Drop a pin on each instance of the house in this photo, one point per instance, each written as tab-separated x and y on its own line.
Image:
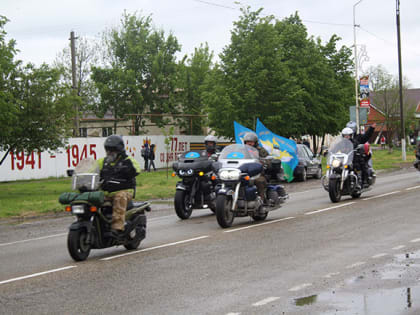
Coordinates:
377	114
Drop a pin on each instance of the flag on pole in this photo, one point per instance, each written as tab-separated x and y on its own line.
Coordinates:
240	132
279	147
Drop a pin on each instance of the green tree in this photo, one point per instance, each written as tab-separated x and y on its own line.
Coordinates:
87	55
193	72
140	73
35	109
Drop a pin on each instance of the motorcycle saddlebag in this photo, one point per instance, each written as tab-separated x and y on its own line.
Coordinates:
251	168
67	197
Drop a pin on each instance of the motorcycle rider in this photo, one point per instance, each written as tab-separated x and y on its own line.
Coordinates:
118	172
357	139
210	142
251	139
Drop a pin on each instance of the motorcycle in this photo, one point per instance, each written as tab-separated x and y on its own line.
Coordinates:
196	190
343	176
238	167
92	228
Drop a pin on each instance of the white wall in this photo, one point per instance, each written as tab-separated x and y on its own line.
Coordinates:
18	166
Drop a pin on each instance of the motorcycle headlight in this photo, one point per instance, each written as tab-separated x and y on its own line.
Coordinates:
230	174
336	163
190	172
78	209
181	172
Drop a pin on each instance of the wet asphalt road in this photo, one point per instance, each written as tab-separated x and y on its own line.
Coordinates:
359	256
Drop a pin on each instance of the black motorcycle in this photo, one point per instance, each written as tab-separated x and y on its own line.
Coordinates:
92	229
196	190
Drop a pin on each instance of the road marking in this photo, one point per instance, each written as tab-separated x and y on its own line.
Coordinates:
266	301
300	287
415	240
379	255
357	264
383	195
330	208
398	247
36	274
33	239
257	225
411	188
233	313
332	274
156	247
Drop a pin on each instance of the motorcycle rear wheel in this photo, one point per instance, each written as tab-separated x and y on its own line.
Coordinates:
76	244
334	190
183	208
224	214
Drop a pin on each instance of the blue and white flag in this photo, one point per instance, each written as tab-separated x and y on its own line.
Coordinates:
279	147
240	132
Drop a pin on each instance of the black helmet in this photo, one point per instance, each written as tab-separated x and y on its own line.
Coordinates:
114	143
251	136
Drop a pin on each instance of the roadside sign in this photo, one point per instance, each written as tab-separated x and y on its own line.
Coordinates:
363	114
365	103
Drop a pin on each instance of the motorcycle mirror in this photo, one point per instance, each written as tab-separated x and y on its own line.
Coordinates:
70	173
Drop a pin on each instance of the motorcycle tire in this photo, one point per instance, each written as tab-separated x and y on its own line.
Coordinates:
224	214
135	242
183	208
76	245
334	190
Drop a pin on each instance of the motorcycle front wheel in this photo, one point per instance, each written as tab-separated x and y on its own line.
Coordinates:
76	244
224	212
183	207
334	190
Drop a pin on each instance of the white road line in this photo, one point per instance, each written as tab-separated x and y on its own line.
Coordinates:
415	240
332	274
379	255
233	313
156	247
300	287
36	274
257	225
383	195
330	208
357	264
411	188
33	239
398	247
266	301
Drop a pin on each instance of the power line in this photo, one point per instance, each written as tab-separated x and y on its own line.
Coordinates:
216	4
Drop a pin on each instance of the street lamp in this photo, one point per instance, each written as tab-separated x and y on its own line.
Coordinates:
356	65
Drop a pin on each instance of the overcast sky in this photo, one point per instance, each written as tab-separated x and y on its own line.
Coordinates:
41	28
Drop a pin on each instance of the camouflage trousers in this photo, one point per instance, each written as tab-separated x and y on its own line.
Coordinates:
261	183
119	199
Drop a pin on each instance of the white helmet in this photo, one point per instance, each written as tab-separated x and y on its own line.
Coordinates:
347	132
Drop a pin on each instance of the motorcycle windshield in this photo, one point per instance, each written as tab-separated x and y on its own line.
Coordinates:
341	146
86	175
239	152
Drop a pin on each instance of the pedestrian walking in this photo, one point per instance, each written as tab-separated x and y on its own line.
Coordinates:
383	142
145	154
152	157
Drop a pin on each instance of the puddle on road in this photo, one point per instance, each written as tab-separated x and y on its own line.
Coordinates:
383	302
374	301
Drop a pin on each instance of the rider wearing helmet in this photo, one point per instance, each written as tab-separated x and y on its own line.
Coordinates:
210	141
361	139
251	139
118	172
347	133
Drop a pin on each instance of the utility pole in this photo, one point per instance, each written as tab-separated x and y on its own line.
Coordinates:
404	157
74	82
356	66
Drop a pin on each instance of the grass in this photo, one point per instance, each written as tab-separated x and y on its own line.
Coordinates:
37	197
